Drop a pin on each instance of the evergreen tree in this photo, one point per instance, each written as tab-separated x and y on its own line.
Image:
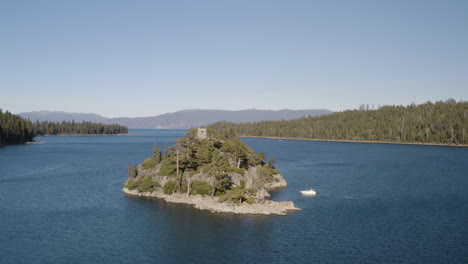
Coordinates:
84	128
15	129
218	169
443	122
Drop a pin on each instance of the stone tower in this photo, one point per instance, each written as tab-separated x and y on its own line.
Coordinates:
201	133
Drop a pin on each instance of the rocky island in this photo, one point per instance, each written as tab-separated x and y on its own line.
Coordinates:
212	170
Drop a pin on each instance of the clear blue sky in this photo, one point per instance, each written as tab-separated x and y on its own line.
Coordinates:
142	58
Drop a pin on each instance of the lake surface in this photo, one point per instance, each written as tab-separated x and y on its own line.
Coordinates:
61	202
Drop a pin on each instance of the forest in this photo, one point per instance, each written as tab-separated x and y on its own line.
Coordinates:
17	130
14	129
442	122
72	128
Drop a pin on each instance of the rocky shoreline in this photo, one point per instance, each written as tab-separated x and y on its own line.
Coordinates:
267	207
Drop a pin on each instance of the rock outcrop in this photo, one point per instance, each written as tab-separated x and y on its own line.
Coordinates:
211	203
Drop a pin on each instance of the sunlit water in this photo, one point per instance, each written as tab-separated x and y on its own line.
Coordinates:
61	202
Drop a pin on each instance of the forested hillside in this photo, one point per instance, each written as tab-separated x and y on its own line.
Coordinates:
14	129
84	128
443	122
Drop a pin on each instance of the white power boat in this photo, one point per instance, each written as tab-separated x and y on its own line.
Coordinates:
309	192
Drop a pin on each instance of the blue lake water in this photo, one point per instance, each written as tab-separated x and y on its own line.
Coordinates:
61	202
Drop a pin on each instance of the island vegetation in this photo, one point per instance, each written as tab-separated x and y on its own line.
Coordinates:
16	130
443	122
215	169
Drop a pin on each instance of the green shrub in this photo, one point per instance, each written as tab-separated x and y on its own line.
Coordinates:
143	184
170	187
265	174
132	185
201	187
255	160
250	192
241	171
242	184
184	187
148	185
235	195
167	168
132	172
220	191
250	200
239	195
149	163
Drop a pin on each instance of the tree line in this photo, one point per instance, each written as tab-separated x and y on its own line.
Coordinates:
16	130
442	122
72	128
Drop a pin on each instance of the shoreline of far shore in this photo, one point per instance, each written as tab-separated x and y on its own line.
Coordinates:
360	141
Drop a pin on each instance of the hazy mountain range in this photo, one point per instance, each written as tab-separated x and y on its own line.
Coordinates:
180	119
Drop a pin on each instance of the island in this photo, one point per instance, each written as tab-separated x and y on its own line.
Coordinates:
211	170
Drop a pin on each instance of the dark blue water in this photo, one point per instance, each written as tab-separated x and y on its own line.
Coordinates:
61	202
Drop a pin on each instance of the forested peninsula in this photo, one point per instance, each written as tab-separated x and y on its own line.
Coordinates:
17	130
443	122
72	128
212	170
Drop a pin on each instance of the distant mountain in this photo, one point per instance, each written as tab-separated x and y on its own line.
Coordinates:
59	116
180	119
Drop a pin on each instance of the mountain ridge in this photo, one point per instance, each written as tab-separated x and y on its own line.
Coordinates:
180	119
